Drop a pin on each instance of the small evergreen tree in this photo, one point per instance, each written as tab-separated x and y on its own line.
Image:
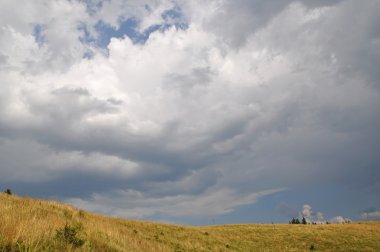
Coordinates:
304	220
295	221
8	191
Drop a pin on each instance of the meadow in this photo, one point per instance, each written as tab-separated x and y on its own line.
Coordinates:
28	224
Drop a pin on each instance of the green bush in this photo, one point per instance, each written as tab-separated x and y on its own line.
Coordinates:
16	247
68	235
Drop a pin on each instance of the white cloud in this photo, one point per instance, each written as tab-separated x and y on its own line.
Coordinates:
319	218
340	220
312	217
58	46
306	211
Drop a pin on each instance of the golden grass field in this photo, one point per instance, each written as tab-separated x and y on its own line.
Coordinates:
31	225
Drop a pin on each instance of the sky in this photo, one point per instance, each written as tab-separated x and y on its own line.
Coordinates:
193	112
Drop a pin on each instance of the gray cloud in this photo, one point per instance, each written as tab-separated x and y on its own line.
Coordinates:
253	97
375	215
236	21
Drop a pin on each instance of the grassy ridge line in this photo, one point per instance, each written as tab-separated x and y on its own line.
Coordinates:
31	225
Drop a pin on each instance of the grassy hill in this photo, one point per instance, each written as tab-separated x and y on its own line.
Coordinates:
36	225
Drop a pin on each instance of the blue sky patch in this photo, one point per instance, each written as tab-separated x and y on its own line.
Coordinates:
129	28
126	28
38	33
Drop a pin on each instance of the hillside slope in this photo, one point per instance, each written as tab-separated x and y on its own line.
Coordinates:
36	225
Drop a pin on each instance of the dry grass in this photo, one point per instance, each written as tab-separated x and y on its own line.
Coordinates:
31	225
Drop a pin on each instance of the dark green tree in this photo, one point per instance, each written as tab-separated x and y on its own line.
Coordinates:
304	220
294	221
8	191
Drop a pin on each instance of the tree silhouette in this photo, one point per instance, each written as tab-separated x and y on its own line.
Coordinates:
294	221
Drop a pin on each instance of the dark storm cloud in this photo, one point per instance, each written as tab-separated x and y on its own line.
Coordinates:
72	184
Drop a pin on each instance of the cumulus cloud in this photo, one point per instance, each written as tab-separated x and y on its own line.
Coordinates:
246	98
340	220
312	217
318	217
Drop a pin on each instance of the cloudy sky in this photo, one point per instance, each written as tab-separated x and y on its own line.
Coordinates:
193	112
